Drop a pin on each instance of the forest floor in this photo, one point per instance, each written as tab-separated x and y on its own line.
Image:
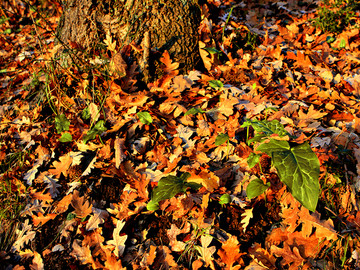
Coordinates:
83	147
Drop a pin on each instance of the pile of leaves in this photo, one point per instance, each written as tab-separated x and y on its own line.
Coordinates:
192	171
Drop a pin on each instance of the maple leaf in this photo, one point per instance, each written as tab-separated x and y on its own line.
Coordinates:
230	253
81	205
118	240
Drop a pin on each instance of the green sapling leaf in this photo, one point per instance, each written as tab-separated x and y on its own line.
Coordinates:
98	129
168	187
216	84
145	118
86	114
255	188
152	206
66	137
299	169
221	138
253	159
212	50
194	111
61	123
224	199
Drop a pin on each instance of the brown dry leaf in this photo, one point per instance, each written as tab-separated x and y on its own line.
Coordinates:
61	166
118	240
290	257
119	146
164	259
81	205
230	253
262	255
82	253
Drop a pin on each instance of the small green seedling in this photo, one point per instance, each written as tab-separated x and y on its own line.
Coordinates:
216	84
194	111
98	129
61	123
168	187
225	199
255	188
297	166
223	138
145	118
65	137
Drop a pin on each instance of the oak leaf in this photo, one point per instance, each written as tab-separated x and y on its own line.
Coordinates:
118	240
81	205
230	253
61	166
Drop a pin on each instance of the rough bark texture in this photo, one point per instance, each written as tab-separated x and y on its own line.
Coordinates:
157	25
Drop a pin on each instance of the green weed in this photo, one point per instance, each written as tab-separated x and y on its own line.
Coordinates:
335	16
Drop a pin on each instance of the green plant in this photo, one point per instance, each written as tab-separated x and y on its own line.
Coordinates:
11	205
98	129
335	16
297	165
145	117
168	187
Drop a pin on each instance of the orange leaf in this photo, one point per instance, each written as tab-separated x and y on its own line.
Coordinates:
41	219
170	68
82	207
230	252
61	166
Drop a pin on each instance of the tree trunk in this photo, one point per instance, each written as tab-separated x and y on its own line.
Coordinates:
156	25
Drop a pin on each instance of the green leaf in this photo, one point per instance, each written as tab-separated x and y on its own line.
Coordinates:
255	188
168	187
66	137
86	114
299	169
194	111
216	84
212	50
330	39
342	44
224	199
152	206
96	130
145	117
70	216
253	159
61	123
221	138
264	129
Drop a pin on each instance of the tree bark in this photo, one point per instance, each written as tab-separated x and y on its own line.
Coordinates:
156	25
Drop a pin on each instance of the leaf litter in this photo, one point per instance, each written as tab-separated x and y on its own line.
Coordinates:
93	162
